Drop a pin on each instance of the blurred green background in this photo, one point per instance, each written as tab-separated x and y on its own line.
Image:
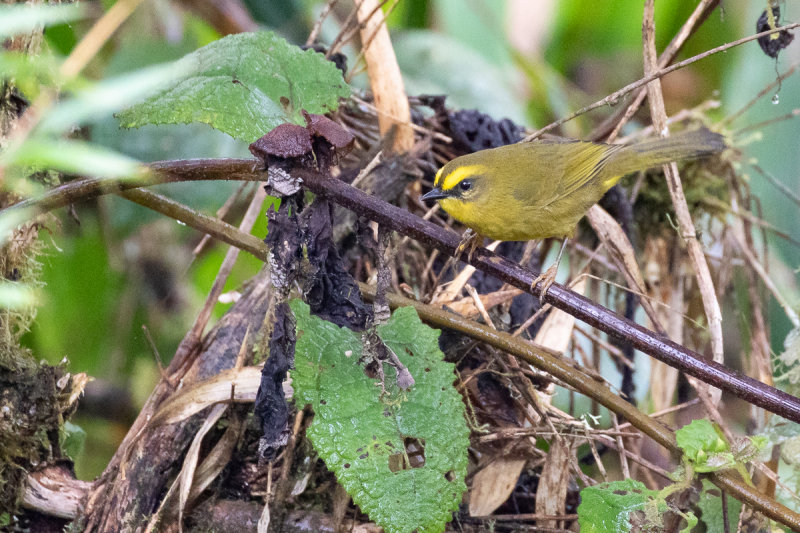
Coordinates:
107	269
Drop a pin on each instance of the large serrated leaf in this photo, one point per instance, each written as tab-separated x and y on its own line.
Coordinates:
244	85
363	437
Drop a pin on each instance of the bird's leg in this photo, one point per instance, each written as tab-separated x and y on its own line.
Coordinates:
470	242
548	277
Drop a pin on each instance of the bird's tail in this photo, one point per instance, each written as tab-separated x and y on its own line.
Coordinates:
653	152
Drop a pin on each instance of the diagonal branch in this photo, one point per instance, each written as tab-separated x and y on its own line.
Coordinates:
402	221
447	241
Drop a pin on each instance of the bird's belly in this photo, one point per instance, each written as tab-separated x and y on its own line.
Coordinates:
527	223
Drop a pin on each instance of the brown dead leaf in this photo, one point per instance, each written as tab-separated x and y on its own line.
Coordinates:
551	494
492	485
243	382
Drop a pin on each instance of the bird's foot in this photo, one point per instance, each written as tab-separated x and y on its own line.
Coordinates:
547	278
470	242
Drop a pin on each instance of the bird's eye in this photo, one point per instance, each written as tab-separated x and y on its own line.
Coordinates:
465	185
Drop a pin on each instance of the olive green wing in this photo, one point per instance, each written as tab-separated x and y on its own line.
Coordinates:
580	164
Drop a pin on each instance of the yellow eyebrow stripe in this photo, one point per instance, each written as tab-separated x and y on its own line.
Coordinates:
454	178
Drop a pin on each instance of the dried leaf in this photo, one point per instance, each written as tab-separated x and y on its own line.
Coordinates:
551	494
773	43
244	384
271	407
492	485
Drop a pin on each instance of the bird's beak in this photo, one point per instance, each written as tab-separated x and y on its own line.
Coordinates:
434	194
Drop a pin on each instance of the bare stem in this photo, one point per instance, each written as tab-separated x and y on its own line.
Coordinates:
616	95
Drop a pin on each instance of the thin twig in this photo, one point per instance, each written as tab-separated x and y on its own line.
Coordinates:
210	225
616	95
791	314
778	184
703	274
701	11
312	37
221	213
763	92
794	113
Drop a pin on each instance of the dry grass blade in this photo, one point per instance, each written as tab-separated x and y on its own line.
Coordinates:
217	459
613	236
217	389
184	480
186	476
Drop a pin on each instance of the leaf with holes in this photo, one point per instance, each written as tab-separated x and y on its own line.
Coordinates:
401	456
244	85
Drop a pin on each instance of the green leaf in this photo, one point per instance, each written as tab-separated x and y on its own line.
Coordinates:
710	505
607	507
72	438
705	446
75	157
364	436
93	102
24	19
244	85
30	72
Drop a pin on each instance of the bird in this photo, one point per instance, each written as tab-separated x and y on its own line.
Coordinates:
542	189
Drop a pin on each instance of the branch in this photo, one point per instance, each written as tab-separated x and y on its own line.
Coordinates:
400	220
580	307
616	95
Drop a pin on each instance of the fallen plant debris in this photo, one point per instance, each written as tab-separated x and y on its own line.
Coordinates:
302	250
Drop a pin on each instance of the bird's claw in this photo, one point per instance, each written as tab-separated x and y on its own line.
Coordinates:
470	242
547	278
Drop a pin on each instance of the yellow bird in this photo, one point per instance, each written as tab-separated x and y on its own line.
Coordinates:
542	189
